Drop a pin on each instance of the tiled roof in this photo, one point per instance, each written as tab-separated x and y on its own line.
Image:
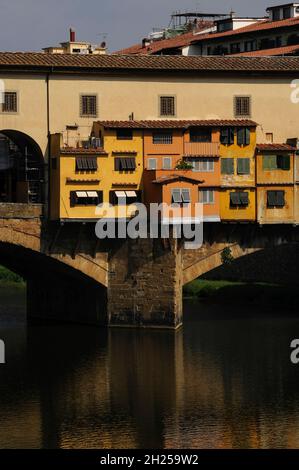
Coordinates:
179	124
30	61
270	52
164	44
176	177
253	28
82	151
275	147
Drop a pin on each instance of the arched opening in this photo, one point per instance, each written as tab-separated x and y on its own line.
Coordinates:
21	169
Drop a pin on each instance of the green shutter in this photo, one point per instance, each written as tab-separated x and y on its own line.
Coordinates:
240	136
247	136
269	162
286	162
243	166
227	166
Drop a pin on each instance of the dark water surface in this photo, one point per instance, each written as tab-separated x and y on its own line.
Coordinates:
224	381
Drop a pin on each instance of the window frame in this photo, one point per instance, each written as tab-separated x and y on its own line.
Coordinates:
200	162
242	114
274	206
209	192
148	164
168	134
129	131
3	104
181	200
170	163
118	161
232	160
230	135
89	95
73	195
174	105
243	160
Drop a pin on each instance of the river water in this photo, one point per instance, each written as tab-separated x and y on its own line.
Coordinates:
223	381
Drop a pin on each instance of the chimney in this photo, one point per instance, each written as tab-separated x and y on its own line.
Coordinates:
72	35
146	42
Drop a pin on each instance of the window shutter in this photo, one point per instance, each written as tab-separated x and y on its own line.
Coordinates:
240	136
186	195
280	198
243	166
286	162
176	196
247	136
244	198
271	198
72	198
117	164
224	136
235	198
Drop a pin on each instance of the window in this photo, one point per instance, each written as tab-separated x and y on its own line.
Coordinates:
124	134
207	196
243	166
10	102
242	106
88	106
275	198
239	198
124	198
181	196
86	164
201	135
227	166
167	106
243	136
269	137
276	162
202	164
276	14
125	164
167	163
250	46
278	41
227	136
287	12
162	138
86	198
235	48
151	163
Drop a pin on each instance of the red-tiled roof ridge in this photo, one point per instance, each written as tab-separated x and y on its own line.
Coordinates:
177	124
275	147
176	177
82	151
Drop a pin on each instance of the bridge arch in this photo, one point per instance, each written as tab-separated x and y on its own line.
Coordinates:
22	168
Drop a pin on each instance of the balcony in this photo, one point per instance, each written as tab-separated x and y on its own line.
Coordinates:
201	149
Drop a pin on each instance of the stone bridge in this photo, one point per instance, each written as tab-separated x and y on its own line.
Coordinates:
72	276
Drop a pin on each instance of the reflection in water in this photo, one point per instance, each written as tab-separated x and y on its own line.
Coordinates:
224	381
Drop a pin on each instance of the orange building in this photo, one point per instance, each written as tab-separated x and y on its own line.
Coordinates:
275	181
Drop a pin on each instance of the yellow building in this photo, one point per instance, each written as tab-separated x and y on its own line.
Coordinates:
275	184
237	152
109	170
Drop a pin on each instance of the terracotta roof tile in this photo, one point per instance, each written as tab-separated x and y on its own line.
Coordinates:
179	124
275	147
144	63
176	177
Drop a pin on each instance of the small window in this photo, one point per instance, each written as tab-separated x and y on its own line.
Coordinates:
162	138
125	164
10	102
86	164
242	105
235	48
287	12
275	198
181	196
86	198
227	136
124	134
276	14
207	196
151	163
89	106
201	135
243	166
167	163
167	106
269	137
227	166
243	136
124	198
202	164
239	198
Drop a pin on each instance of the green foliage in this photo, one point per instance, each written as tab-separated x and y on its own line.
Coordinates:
184	165
226	256
8	276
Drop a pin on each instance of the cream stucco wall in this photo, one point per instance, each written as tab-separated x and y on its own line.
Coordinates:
118	97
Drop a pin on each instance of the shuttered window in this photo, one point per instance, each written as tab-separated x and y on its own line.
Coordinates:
207	196
86	164
243	166
89	106
239	198
202	164
227	136
10	102
86	198
276	198
125	164
242	106
243	136
162	138
151	163
124	198
227	166
124	134
167	106
167	163
276	162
